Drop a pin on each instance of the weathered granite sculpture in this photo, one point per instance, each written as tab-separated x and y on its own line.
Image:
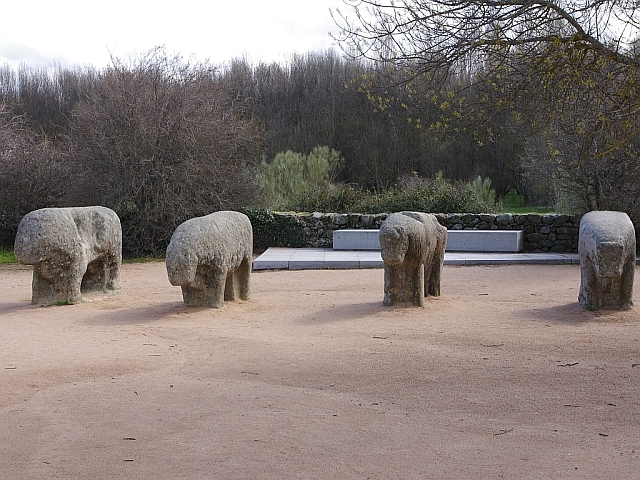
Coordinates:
72	250
412	245
210	258
607	249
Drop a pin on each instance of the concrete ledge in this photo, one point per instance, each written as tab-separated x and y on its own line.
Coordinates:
326	258
485	241
457	240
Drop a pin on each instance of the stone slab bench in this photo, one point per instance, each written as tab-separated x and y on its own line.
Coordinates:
356	239
457	240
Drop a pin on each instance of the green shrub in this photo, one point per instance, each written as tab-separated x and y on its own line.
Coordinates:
331	198
482	188
411	193
273	230
291	178
434	196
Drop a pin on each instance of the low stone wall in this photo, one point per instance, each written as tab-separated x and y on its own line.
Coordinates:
542	233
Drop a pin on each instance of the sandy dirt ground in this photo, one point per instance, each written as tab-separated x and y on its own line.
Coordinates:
504	376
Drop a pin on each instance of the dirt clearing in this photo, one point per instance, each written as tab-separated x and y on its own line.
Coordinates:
504	376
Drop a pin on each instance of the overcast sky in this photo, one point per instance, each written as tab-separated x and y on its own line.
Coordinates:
80	32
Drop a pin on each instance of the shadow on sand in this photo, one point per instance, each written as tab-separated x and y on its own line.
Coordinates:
573	314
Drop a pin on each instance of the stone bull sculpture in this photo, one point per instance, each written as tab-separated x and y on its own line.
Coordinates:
412	245
72	250
210	257
607	250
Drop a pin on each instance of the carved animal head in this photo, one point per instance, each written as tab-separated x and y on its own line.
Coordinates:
44	236
25	252
181	266
394	243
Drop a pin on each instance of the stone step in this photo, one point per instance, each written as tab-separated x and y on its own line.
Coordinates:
457	240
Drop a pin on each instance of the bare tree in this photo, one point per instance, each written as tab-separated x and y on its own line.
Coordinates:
44	97
33	173
544	67
590	153
531	52
161	140
437	34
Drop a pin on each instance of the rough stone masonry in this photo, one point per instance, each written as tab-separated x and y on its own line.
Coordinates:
542	233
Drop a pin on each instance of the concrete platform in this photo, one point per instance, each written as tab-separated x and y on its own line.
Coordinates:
327	258
457	240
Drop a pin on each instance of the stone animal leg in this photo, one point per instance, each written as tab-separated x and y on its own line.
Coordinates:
403	284
43	291
216	288
427	278
626	289
112	275
76	273
417	286
56	283
390	285
589	297
244	278
230	286
193	296
432	284
238	282
53	283
432	275
206	289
